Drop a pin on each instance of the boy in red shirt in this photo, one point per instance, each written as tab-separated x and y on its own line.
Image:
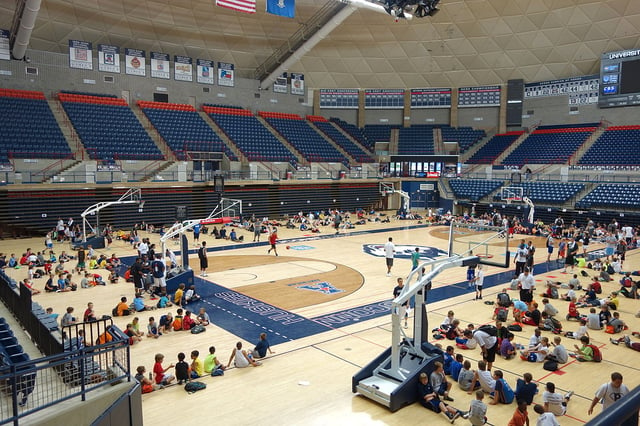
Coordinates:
520	417
159	372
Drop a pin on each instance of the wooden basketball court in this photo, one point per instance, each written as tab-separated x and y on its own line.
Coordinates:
308	379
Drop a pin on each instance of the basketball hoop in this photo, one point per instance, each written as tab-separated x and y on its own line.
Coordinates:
509	200
485	256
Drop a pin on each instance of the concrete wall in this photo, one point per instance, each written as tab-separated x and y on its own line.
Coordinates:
431	116
348	115
378	116
480	118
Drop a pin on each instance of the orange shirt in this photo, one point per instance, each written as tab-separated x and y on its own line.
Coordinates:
519	418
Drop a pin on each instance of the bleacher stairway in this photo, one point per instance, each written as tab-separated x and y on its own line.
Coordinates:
282	140
154	134
232	146
331	142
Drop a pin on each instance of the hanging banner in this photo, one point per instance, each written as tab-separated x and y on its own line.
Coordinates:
80	55
108	58
225	74
160	65
135	62
297	84
204	71
5	50
182	68
280	85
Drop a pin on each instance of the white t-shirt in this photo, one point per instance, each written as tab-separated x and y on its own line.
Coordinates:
610	394
485	339
547	419
487	383
534	341
480	278
555	401
627	231
526	281
543	351
389	249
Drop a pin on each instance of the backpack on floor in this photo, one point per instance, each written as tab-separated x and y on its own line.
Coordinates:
192	387
550	365
514	327
198	329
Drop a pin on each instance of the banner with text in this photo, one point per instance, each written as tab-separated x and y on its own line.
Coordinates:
80	55
580	90
160	65
135	62
204	71
182	68
297	84
108	58
225	74
5	50
280	85
286	8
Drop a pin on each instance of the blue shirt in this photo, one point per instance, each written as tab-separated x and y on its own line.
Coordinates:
262	347
138	304
456	367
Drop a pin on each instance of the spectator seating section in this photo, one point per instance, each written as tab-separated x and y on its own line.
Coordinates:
465	136
183	129
355	132
304	138
341	140
493	148
101	95
625	139
28	128
612	195
473	189
10	350
251	137
378	133
549	146
549	192
108	128
416	140
222	106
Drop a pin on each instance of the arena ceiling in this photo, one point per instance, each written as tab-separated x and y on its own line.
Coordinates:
470	42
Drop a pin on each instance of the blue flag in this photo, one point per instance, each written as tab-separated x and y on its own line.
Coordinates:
286	8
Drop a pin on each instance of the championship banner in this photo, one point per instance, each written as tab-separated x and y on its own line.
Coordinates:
297	84
182	68
225	74
80	55
160	65
5	50
204	71
280	85
108	58
135	62
286	8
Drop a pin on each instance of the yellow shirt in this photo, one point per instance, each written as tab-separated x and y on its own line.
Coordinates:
197	366
178	296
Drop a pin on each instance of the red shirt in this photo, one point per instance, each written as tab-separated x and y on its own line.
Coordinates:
273	238
519	418
158	372
572	309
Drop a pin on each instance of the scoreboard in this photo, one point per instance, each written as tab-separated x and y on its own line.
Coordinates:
482	96
339	98
619	79
431	98
384	98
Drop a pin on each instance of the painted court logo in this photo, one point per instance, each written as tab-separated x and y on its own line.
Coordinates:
318	286
404	252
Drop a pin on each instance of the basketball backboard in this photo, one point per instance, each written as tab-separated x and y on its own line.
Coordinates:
489	243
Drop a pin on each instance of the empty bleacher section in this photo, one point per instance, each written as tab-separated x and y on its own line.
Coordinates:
354	131
473	189
465	136
416	140
303	137
108	128
617	146
550	192
493	148
550	145
341	140
378	133
610	195
28	128
252	139
183	129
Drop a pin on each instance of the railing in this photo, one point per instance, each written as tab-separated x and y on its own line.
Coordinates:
59	165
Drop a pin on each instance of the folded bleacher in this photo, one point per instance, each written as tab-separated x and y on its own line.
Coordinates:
625	139
493	148
550	192
466	137
610	195
549	145
296	131
473	189
341	140
355	132
183	129
108	128
28	128
249	135
416	140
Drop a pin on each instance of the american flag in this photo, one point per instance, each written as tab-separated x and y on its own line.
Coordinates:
248	6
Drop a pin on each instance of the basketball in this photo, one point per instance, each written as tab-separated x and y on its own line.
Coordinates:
288	247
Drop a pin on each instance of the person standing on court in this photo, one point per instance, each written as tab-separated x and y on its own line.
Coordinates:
273	239
196	234
488	346
609	393
520	258
389	251
204	261
415	258
527	285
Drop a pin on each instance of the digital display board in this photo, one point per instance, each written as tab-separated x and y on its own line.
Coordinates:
431	98
580	90
620	79
339	98
384	98
483	96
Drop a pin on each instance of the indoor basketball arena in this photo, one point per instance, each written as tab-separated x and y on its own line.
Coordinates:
344	212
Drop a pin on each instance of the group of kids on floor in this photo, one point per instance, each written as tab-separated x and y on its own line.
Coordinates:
198	368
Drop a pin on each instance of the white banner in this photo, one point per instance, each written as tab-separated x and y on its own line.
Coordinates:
135	62
204	71
160	65
80	55
108	58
